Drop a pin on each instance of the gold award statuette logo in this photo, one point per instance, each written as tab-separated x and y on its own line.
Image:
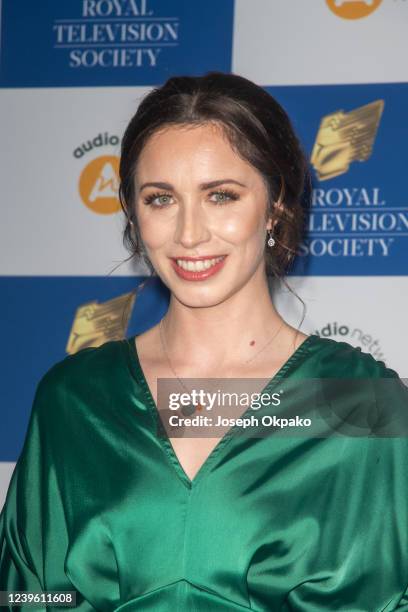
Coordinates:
99	184
353	9
345	137
96	323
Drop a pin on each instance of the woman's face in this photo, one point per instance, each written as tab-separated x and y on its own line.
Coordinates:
182	216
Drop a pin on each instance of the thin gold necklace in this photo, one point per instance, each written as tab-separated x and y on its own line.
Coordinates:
188	410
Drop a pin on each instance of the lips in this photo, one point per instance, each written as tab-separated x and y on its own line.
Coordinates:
198	268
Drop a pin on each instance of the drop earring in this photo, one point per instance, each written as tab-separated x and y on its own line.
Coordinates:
271	241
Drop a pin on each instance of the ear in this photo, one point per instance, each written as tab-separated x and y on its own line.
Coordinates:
271	223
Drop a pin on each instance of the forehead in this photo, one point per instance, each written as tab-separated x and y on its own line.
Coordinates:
191	148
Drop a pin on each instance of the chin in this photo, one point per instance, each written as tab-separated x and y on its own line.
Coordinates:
199	299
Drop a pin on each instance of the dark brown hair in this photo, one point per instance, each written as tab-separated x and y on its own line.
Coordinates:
258	129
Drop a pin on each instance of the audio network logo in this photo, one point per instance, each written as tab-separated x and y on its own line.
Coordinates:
354	336
99	179
353	9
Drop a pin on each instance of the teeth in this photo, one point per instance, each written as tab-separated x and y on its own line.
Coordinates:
198	266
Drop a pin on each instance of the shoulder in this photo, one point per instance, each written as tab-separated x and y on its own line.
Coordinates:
80	372
73	395
361	392
340	359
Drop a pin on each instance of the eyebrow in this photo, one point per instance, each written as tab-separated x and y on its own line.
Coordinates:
202	186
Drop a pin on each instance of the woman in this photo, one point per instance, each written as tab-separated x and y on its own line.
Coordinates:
101	502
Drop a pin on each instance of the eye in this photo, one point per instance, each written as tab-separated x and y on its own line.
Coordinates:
226	196
153	196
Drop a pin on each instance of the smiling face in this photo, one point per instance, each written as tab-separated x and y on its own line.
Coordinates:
196	198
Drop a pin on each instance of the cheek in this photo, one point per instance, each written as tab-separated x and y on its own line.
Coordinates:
155	230
241	228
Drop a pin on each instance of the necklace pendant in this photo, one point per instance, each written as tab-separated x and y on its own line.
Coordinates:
188	410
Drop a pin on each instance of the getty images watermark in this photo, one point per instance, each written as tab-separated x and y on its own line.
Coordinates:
313	407
200	401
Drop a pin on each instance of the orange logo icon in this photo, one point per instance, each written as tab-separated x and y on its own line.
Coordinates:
99	184
353	9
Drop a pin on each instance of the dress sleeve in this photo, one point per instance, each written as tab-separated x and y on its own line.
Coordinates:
391	394
370	410
22	517
391	398
45	507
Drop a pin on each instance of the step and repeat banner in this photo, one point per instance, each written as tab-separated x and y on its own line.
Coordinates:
72	73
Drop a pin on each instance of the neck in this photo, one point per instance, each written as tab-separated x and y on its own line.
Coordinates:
237	328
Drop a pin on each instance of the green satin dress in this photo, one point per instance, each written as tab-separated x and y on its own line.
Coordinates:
99	503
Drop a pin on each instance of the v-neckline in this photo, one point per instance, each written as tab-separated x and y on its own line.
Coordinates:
154	411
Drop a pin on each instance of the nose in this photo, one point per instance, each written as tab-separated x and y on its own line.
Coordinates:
191	227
